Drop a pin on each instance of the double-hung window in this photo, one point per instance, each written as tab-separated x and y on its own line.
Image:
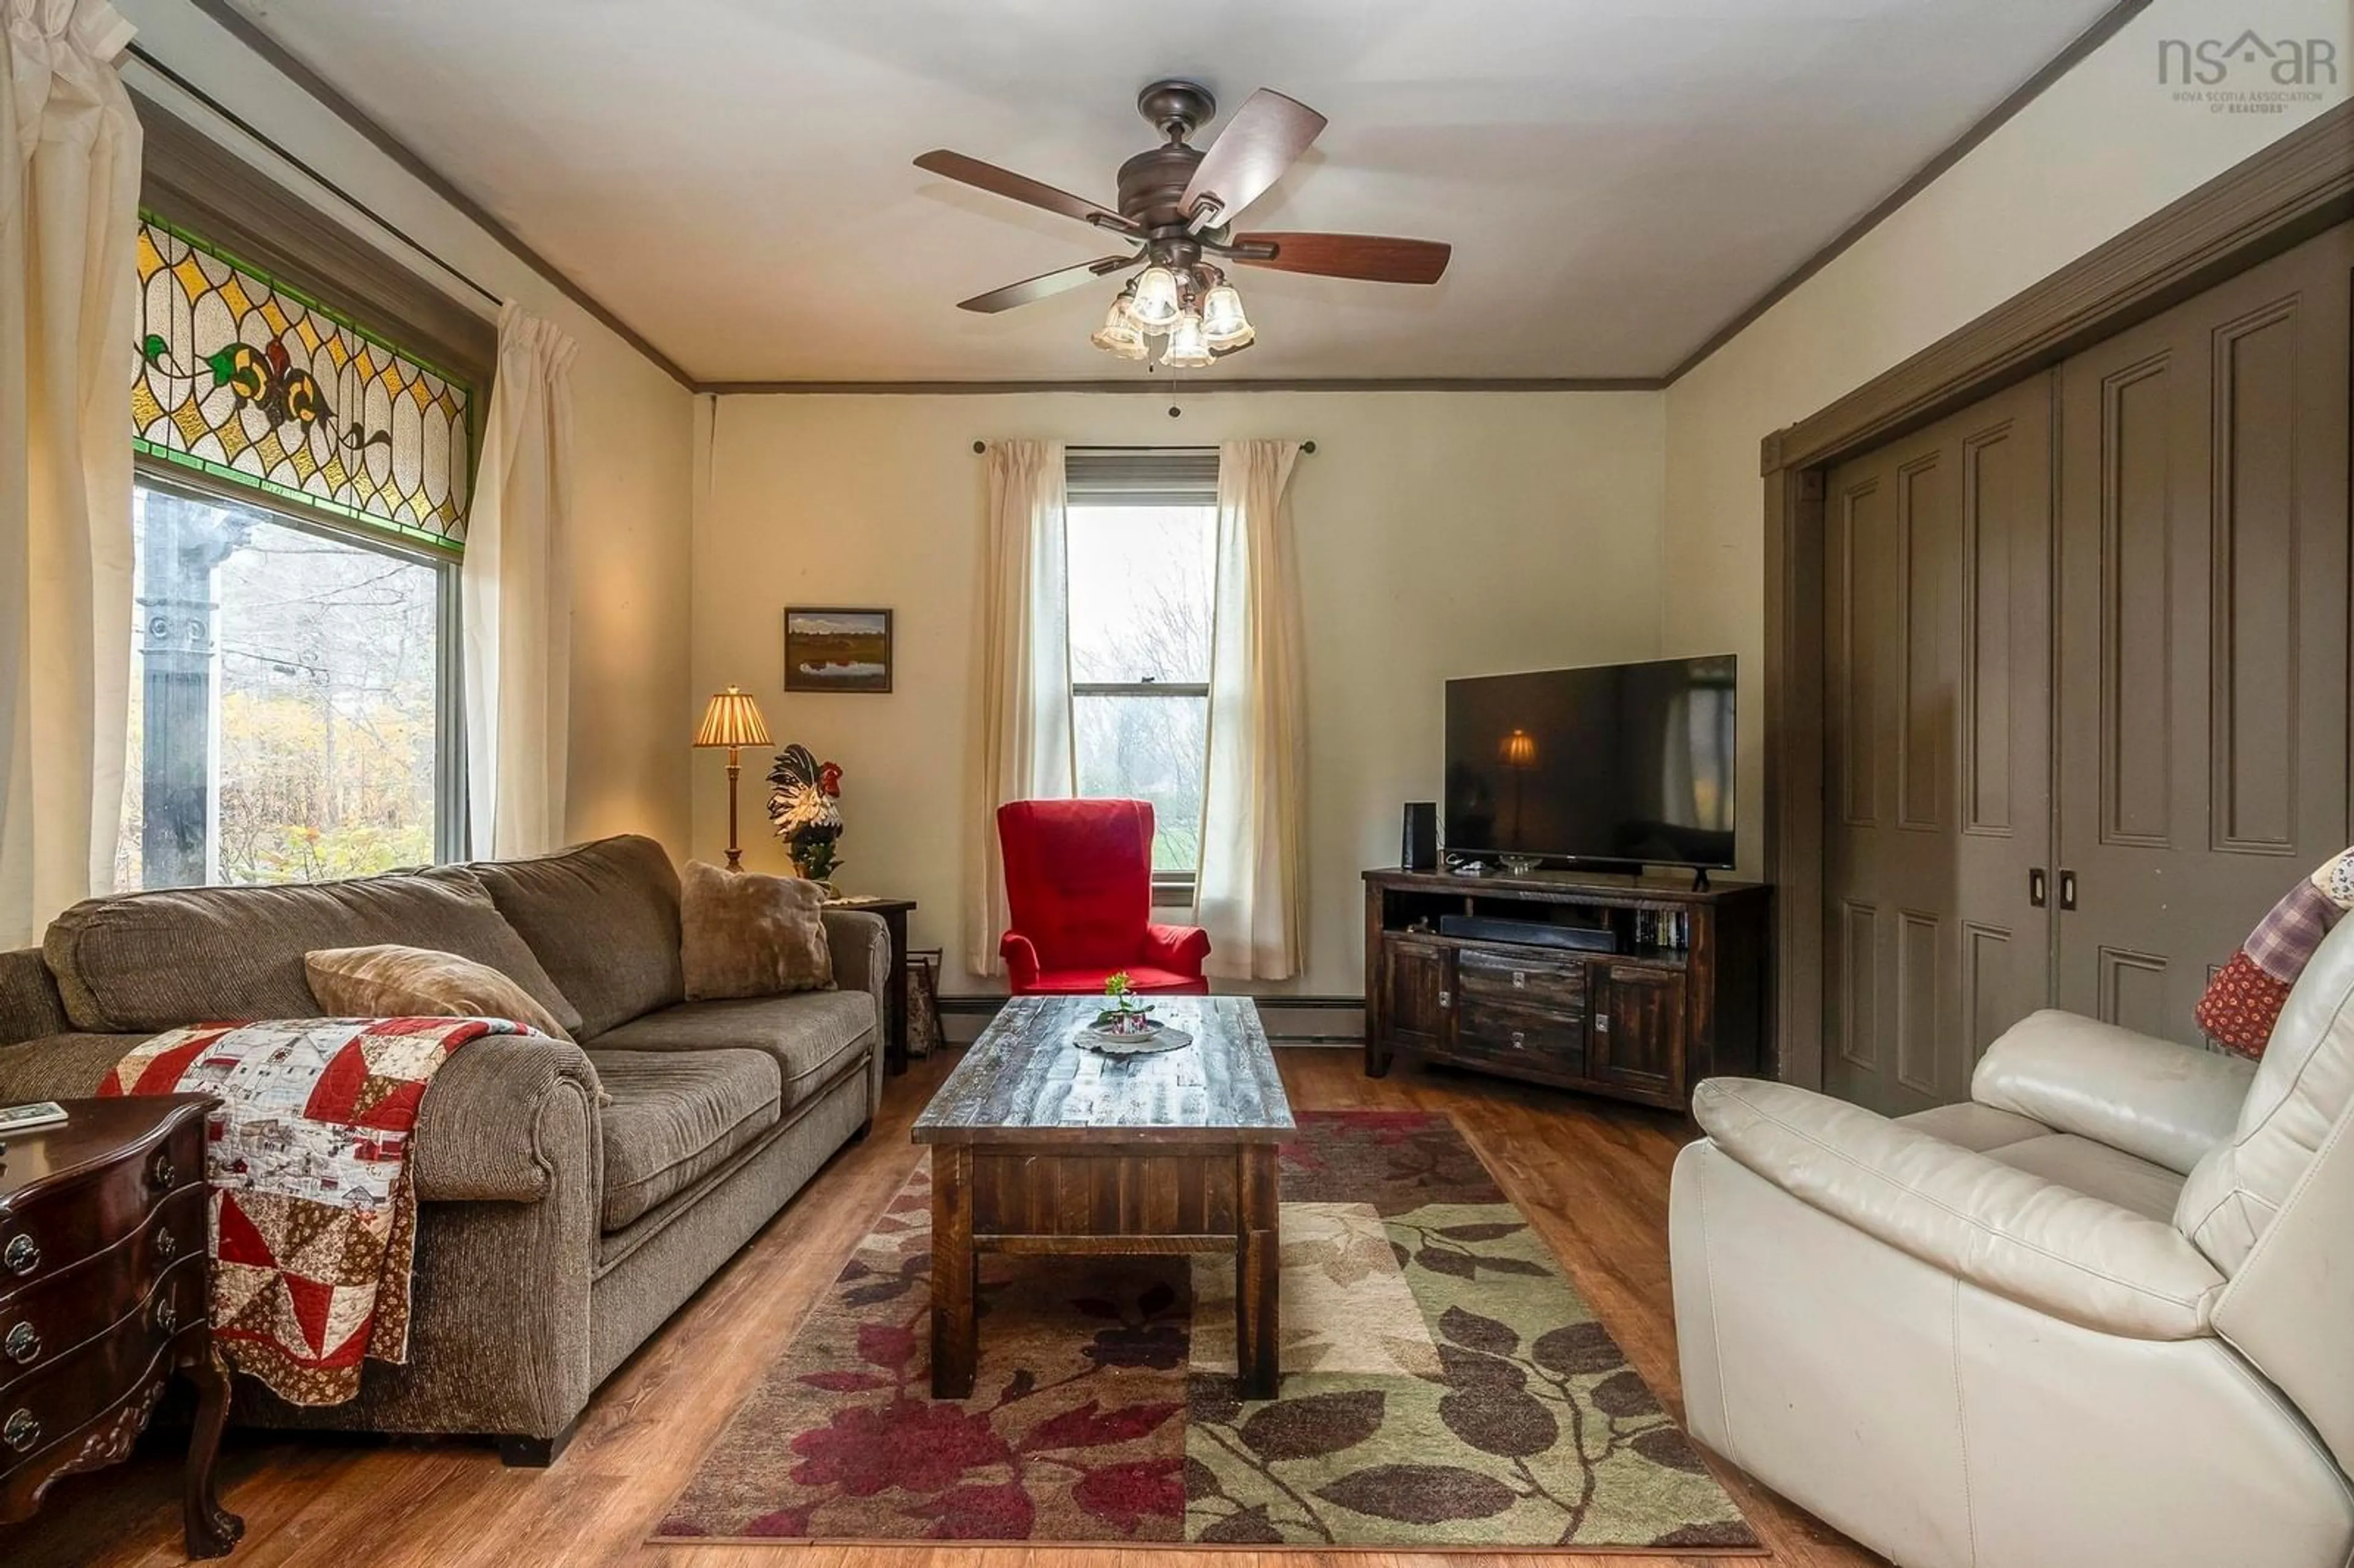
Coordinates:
298	515
1141	539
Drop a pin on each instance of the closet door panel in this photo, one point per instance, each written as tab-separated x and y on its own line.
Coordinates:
2203	631
1937	765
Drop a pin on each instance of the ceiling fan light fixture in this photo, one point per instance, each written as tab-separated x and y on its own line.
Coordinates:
1224	324
1187	348
1156	306
1119	336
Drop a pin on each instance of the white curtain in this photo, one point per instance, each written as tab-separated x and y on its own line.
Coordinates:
1021	741
68	277
516	596
1254	880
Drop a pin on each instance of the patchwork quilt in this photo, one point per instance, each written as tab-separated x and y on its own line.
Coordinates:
313	1212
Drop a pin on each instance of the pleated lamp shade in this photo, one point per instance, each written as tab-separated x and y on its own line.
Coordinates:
732	719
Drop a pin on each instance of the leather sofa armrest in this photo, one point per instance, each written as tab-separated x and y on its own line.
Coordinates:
2165	1103
1021	959
2016	1235
1179	947
505	1119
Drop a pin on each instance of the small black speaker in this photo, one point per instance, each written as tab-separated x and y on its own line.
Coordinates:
1419	852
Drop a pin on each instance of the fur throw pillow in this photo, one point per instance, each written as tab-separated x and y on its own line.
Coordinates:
743	934
392	981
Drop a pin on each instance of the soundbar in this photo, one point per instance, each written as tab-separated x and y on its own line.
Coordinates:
1534	933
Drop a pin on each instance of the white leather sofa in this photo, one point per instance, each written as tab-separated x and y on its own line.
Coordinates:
2102	1314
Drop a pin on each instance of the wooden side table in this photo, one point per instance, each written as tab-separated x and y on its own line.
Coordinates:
895	913
105	1291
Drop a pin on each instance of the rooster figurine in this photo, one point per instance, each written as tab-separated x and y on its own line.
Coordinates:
802	809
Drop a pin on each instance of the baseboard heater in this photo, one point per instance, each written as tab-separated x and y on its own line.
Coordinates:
1531	933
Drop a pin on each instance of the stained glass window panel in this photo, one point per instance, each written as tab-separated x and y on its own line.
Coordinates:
245	378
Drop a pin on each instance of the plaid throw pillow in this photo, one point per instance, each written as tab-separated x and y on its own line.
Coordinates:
2244	1001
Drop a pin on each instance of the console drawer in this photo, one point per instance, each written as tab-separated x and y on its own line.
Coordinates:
1553	1041
1524	978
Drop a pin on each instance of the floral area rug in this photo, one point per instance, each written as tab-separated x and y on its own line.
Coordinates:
1444	1387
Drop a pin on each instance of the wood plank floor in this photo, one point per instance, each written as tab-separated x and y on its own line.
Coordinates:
1592	1175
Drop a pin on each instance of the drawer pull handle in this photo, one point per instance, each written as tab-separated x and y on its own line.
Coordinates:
1520	1041
1446	1000
162	1173
1520	979
22	1431
167	1317
1602	1024
23	1344
166	1244
22	1255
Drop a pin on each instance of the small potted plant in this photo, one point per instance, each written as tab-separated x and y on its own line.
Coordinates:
1126	1015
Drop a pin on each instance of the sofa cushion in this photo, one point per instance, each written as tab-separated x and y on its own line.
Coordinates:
2097	1170
2303	1085
152	961
29	1004
603	918
811	1035
674	1116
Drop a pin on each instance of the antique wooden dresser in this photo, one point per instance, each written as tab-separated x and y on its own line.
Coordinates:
103	1296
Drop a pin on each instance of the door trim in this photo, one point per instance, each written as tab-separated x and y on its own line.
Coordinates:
2301	186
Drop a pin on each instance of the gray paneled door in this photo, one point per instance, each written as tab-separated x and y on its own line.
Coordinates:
1937	658
2203	631
2087	697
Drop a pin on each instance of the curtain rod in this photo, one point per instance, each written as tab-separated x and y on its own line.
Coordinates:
242	123
1308	447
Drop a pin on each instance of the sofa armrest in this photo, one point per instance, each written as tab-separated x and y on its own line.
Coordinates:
2016	1235
1021	959
1179	947
861	945
505	1119
2165	1103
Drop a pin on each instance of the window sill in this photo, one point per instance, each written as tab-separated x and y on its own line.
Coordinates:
1172	893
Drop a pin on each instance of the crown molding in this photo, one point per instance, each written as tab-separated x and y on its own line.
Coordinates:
1181	388
2079	48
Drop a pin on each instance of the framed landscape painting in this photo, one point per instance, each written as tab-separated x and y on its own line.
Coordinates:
837	650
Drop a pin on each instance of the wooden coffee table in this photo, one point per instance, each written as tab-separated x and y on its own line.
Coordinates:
1040	1148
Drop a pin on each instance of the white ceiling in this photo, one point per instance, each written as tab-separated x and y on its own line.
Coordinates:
731	176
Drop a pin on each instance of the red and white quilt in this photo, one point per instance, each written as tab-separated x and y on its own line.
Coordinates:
313	1209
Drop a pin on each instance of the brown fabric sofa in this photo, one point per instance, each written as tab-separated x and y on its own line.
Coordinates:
556	1233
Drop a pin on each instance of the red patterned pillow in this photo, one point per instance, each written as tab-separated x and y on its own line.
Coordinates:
2244	1001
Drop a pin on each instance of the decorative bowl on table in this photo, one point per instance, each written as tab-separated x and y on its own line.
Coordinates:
1129	1031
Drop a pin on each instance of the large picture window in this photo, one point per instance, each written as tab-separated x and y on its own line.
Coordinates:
298	519
1142	533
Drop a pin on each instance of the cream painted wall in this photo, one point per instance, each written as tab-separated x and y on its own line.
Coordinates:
633	426
1438	533
2102	148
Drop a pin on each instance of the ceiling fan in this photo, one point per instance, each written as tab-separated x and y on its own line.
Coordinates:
1177	207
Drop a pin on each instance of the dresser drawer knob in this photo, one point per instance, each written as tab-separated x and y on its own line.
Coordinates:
160	1173
1446	1000
21	1431
22	1255
1520	979
167	1317
23	1344
166	1244
1520	1040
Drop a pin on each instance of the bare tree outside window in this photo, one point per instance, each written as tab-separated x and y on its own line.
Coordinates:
1140	580
286	700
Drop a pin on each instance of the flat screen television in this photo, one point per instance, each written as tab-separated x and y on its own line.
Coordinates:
1623	765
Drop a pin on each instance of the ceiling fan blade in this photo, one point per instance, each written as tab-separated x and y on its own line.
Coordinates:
1021	187
1045	283
1266	136
1375	258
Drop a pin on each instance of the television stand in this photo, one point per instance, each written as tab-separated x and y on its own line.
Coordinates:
1678	996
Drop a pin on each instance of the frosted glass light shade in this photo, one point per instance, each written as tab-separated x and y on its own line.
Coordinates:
1187	349
1224	325
1156	306
1118	335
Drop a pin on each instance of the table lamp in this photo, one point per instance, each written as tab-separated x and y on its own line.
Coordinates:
733	720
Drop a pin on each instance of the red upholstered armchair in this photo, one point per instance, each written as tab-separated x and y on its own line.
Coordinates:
1078	885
